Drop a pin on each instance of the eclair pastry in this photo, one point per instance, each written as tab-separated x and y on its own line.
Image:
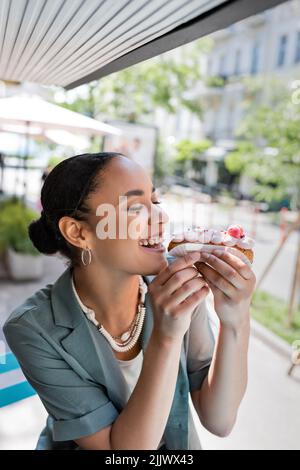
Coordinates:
208	239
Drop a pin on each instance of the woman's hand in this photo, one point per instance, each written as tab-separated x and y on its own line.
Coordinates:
175	293
232	282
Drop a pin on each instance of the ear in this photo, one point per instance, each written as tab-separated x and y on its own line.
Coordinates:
73	231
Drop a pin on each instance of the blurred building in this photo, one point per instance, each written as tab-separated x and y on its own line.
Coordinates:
265	44
10	88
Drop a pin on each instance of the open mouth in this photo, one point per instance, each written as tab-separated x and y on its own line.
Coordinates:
152	244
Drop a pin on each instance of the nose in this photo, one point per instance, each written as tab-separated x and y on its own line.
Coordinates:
158	216
164	216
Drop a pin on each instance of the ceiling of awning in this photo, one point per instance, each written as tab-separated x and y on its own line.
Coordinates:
71	42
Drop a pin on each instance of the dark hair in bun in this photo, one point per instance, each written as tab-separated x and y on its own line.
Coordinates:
41	235
65	192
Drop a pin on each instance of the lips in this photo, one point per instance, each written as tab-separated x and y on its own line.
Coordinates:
159	248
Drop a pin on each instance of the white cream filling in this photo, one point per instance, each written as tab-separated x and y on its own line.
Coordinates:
214	236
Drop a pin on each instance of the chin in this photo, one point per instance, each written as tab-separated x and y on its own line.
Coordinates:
154	267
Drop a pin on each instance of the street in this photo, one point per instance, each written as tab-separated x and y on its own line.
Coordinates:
269	416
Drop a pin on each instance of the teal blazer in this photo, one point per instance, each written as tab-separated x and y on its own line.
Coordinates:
75	373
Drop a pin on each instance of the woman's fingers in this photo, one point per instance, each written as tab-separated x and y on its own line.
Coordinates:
229	273
237	260
215	290
179	278
212	276
192	301
177	265
183	293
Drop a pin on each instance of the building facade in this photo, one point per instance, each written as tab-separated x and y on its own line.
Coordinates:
264	45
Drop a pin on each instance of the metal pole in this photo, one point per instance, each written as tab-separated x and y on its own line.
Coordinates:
295	288
25	162
293	227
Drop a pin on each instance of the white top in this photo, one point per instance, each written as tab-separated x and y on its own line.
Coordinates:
131	371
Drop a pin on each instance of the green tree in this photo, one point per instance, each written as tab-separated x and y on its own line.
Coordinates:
167	81
187	153
269	152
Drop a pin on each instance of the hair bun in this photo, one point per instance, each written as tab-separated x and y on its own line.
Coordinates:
42	236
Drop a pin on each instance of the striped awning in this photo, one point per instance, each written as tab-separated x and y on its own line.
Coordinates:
71	42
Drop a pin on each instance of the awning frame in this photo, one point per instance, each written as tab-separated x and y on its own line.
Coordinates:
218	18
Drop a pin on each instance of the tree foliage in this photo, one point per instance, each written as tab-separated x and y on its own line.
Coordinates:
165	81
187	152
269	147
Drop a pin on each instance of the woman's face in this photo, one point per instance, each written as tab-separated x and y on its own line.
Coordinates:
125	213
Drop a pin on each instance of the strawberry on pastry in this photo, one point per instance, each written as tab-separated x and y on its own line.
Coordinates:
236	231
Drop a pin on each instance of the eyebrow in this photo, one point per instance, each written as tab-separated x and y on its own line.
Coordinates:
136	192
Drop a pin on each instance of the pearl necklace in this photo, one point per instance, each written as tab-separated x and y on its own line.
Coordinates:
128	338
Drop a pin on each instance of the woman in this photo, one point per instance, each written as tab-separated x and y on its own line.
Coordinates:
112	353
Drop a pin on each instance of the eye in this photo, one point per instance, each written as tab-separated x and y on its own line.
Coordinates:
156	202
135	209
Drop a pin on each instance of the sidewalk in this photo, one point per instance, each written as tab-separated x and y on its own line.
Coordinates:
269	416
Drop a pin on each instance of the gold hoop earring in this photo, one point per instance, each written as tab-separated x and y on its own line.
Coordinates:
85	251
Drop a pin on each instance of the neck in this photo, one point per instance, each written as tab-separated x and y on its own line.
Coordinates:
112	295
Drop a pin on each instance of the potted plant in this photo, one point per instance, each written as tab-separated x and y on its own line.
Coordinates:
23	261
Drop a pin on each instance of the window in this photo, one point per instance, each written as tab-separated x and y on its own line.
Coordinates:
222	65
282	50
209	67
297	53
237	65
255	59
